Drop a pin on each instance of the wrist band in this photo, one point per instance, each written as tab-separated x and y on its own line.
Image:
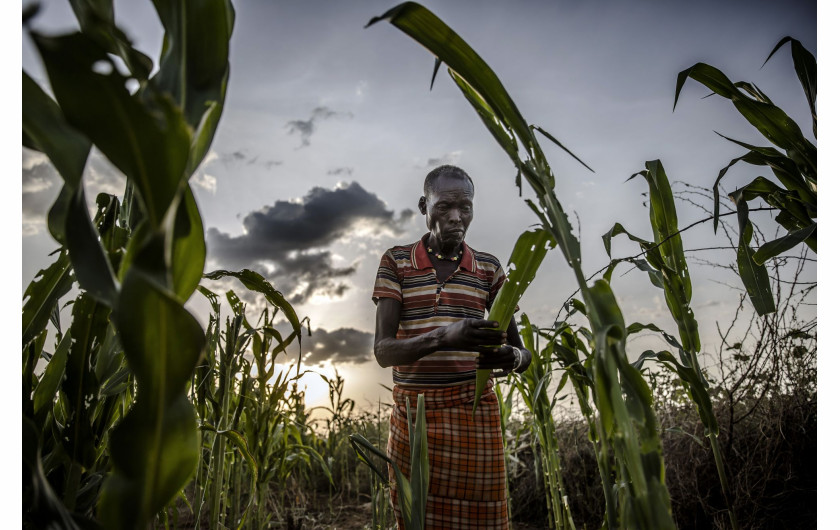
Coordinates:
517	359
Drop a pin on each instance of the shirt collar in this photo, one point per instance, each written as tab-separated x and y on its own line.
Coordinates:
420	257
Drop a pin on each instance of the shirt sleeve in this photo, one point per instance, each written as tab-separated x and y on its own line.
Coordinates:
387	284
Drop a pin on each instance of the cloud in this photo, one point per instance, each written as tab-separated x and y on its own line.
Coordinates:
288	241
447	158
40	186
343	345
361	88
240	157
340	171
307	127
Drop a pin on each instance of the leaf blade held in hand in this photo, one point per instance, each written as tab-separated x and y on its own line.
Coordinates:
527	255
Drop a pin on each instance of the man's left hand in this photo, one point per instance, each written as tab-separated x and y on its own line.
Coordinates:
502	360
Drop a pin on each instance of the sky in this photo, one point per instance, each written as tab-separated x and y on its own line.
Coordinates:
329	129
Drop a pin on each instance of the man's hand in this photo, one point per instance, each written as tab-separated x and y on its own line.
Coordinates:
501	358
473	334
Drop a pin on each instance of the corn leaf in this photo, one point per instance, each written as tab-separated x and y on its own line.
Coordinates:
154	448
806	70
771	121
42	295
255	282
147	139
194	65
423	26
96	19
188	250
755	278
51	379
787	242
47	509
527	255
91	266
90	323
45	129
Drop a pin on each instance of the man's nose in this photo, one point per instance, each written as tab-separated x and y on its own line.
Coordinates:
454	216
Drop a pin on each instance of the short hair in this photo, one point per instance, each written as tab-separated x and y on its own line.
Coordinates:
440	171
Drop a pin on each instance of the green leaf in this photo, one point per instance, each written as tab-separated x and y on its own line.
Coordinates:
44	124
150	465
90	323
806	70
46	130
42	295
709	76
41	503
527	255
53	374
188	250
500	131
154	449
144	137
96	19
754	277
423	26
676	279
194	65
255	282
556	142
787	242
771	121
419	462
92	267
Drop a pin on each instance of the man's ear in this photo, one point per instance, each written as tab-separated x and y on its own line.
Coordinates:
421	204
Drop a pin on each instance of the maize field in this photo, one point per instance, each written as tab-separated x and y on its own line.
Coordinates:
135	415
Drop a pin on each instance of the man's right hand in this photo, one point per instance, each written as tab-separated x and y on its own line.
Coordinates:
473	334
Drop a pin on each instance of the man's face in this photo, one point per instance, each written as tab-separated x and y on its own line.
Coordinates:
448	210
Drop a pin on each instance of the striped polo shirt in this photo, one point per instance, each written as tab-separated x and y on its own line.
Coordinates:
406	274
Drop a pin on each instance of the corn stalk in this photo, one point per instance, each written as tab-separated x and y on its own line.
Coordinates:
156	137
667	269
533	386
623	399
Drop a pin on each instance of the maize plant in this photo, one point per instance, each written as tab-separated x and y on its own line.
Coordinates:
128	433
533	386
793	161
667	269
626	419
412	491
246	399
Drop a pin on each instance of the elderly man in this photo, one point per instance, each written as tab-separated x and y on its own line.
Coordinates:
431	299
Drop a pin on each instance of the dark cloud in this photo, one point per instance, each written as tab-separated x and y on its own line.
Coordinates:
288	240
243	157
343	345
340	171
307	127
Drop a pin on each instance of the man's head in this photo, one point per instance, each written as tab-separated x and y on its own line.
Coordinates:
448	207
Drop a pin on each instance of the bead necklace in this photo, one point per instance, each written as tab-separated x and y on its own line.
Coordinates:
440	256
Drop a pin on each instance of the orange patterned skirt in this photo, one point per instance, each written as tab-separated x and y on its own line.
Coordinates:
466	457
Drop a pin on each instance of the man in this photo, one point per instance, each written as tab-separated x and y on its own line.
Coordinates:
431	300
